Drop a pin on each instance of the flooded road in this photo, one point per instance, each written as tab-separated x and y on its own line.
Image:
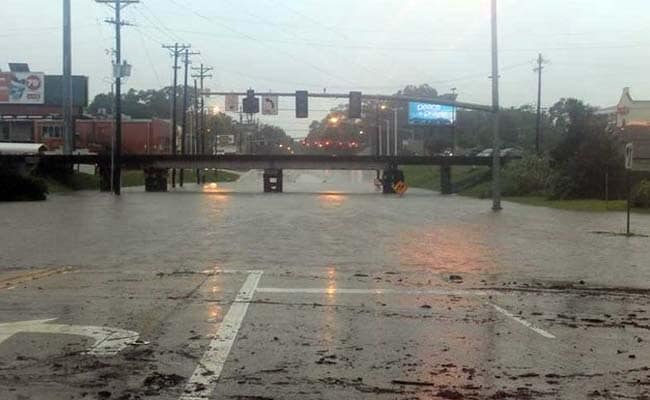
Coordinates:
330	290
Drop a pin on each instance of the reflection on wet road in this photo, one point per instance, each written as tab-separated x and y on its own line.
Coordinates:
360	295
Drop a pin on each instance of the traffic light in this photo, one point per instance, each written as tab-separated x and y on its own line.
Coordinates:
251	103
302	104
355	105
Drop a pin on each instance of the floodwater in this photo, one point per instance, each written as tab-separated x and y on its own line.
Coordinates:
348	294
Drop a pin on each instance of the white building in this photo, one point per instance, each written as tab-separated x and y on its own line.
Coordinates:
629	112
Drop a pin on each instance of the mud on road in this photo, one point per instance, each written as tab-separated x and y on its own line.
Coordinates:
339	294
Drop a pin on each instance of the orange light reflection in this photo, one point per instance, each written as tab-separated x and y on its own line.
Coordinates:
449	249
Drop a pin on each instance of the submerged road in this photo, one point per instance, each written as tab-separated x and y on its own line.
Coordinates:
328	291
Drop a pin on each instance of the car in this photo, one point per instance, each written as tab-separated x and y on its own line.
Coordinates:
485	153
511	152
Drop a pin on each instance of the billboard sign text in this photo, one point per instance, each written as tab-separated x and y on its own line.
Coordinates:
22	88
431	114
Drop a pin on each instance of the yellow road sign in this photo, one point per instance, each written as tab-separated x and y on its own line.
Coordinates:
400	187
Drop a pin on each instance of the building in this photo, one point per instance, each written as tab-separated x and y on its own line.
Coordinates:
631	121
26	97
628	112
31	111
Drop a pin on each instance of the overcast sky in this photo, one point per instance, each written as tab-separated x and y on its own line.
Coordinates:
595	47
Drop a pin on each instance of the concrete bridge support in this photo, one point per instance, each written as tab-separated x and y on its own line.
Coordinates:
446	186
155	179
104	177
390	177
273	180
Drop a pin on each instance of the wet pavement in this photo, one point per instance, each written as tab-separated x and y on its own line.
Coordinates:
328	291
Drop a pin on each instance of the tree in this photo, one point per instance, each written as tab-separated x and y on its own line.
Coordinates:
103	101
423	90
586	155
143	104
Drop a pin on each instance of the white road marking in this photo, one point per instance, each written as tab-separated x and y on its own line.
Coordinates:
524	322
205	377
429	292
108	341
426	292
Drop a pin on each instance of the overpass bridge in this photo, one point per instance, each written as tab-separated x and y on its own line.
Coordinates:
156	167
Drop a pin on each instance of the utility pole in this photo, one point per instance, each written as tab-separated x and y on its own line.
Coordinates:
395	134
202	75
387	121
116	158
68	135
186	61
195	131
496	155
538	131
176	50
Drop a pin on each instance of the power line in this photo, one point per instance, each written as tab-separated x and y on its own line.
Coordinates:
294	35
249	37
162	26
151	63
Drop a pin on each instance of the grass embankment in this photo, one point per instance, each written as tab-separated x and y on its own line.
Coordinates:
83	181
592	205
429	178
426	177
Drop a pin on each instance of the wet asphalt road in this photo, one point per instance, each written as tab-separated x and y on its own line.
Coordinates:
329	291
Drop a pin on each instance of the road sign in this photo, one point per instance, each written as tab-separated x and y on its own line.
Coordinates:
629	156
232	103
108	341
400	188
269	105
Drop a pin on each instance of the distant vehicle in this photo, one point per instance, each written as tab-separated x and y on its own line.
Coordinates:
511	152
507	152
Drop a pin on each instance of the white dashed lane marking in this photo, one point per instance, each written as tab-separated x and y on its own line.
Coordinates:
398	292
524	322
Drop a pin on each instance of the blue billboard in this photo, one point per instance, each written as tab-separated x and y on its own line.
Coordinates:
431	114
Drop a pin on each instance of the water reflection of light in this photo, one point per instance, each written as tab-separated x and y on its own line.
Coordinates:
213	188
452	248
331	282
332	198
329	329
214	313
